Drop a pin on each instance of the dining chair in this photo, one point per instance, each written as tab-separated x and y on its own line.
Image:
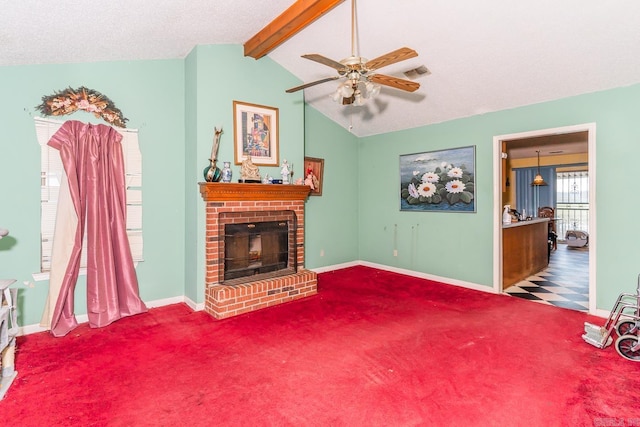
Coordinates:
549	212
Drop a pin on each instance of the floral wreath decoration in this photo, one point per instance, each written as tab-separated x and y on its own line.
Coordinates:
70	100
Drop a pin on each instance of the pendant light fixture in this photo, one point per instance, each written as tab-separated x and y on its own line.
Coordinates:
539	180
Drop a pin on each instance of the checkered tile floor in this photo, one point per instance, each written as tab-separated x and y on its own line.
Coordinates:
564	283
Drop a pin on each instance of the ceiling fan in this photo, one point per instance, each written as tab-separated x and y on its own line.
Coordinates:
361	79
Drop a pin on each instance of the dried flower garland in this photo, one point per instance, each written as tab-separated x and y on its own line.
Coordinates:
71	100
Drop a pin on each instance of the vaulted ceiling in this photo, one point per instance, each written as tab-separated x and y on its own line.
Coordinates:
482	56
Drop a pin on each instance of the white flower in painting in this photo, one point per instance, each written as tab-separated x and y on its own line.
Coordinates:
427	189
430	177
416	173
413	192
455	186
455	173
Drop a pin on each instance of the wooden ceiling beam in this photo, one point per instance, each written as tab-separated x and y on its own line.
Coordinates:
292	20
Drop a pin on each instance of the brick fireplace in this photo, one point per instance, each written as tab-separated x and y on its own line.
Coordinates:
230	205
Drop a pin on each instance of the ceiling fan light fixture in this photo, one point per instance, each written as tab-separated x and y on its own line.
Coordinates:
346	90
358	100
372	89
362	80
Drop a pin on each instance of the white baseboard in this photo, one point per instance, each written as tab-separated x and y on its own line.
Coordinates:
84	318
336	267
194	305
445	280
602	313
412	273
165	301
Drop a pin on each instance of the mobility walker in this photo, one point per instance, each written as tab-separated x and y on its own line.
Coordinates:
625	320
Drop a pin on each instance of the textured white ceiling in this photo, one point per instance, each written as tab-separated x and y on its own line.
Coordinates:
483	56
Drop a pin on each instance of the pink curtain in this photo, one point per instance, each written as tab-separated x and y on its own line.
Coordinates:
94	165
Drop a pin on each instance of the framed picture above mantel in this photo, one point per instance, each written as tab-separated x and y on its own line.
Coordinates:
438	181
255	133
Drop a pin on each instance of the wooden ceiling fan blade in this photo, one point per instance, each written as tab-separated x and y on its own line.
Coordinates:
326	61
306	85
391	58
394	82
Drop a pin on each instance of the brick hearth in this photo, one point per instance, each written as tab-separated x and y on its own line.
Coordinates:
260	202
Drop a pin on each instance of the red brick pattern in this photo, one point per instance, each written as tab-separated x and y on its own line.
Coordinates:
228	301
224	301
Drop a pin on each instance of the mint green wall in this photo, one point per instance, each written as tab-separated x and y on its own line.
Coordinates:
223	75
192	206
451	245
459	245
175	104
331	220
151	95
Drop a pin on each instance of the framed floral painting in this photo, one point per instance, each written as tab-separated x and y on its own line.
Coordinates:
438	181
255	133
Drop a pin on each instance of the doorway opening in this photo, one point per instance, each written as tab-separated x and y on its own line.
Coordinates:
550	143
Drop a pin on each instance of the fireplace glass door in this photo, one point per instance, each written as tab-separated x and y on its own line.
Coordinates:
255	248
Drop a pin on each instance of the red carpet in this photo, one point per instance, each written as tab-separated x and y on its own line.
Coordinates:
373	348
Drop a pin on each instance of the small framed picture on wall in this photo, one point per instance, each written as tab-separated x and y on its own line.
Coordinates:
313	171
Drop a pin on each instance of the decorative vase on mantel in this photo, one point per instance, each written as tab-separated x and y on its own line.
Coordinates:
226	172
212	172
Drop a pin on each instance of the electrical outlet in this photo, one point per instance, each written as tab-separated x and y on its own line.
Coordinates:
395	252
321	252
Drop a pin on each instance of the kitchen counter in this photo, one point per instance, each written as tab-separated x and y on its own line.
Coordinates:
525	249
521	223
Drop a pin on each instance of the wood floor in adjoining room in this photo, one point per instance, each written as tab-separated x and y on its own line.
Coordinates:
564	283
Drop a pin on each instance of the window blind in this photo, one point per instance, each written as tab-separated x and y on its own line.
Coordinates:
50	178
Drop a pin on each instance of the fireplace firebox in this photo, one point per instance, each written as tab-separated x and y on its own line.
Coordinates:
258	249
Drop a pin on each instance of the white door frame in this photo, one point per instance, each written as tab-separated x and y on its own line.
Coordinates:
497	201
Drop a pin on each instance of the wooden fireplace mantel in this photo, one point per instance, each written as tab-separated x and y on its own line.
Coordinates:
227	191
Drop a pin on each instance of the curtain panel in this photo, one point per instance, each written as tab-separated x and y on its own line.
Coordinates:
94	166
530	197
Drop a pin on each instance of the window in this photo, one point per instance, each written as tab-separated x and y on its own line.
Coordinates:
573	201
50	178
